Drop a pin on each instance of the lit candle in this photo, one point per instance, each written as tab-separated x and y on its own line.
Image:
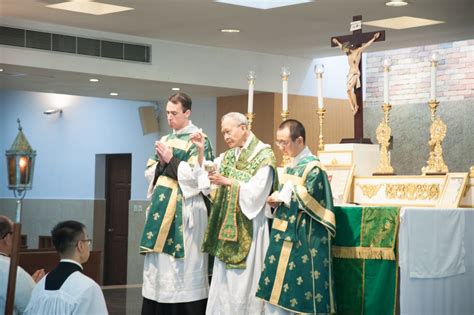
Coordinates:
386	70
434	65
285	73
319	70
251	81
23	163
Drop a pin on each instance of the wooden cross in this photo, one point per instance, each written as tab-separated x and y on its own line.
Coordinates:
357	39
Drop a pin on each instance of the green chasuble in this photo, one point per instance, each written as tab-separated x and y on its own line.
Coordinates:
365	265
229	232
297	273
163	231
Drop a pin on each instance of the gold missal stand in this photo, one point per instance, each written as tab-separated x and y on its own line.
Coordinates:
384	132
435	164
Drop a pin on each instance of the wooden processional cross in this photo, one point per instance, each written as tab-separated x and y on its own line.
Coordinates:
357	39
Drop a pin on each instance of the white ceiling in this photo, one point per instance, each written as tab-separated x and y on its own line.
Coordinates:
302	30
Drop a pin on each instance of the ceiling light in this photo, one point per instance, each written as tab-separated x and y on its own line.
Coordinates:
175	89
230	30
402	22
94	80
263	4
1	70
113	94
89	7
396	3
53	111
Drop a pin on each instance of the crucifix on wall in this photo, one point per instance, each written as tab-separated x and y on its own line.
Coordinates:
353	45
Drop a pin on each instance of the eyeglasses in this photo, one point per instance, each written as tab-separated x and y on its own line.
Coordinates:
282	143
88	241
5	235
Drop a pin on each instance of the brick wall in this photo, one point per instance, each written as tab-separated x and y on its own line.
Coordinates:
409	78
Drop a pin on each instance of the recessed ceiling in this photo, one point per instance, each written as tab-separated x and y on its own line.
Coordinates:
302	30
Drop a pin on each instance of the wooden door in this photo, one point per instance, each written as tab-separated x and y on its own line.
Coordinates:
118	178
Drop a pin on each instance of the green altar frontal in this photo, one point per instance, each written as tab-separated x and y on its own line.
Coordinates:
365	263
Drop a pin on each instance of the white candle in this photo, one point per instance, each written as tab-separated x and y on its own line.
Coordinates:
285	96
386	70
251	80
319	70
434	64
284	79
320	91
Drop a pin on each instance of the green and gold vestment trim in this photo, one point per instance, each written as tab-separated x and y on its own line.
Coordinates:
163	231
229	231
297	273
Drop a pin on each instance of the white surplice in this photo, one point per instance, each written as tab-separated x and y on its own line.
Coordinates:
233	290
170	280
24	286
79	295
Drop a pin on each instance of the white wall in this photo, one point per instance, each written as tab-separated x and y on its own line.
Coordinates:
171	61
67	145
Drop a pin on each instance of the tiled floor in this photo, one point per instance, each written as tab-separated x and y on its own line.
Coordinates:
123	299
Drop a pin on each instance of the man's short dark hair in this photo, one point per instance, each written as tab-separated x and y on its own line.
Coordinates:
296	129
66	234
5	227
183	99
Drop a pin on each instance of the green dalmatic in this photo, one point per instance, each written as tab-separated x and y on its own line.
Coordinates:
297	273
163	231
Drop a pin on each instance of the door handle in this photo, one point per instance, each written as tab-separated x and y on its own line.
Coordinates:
110	230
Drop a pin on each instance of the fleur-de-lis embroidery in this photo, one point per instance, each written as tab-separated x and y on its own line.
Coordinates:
325	262
266	280
324	239
277	237
162	197
156	216
271	259
177	247
304	259
179	198
284	216
326	285
181	228
315	274
264	266
170	241
323	203
303	222
286	287
291	265
293	302
313	252
292	218
299	280
288	239
320	186
149	235
318	297
308	295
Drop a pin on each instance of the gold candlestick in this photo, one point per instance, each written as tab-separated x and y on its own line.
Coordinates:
383	137
321	112
286	160
250	117
435	164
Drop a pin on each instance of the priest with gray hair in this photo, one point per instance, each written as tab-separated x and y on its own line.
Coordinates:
238	234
